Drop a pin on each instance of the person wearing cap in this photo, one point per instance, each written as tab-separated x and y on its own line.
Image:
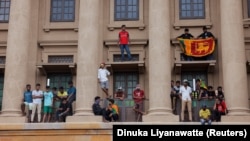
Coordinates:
139	97
119	94
103	74
48	102
205	115
185	96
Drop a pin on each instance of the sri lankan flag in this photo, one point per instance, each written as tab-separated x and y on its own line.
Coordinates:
197	47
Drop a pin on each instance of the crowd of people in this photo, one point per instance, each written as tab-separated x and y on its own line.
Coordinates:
185	94
111	112
59	102
56	104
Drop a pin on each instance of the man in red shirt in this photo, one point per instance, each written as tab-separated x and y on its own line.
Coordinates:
219	109
138	96
123	42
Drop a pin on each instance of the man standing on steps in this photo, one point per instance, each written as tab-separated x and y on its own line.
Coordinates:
103	74
185	96
138	97
37	96
124	42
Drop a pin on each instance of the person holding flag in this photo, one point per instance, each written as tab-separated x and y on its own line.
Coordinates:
186	35
206	34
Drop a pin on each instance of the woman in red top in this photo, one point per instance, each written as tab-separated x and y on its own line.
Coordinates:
219	109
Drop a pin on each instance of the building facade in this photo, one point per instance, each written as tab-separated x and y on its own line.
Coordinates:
53	41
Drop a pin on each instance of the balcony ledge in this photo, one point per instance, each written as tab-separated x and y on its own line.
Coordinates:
207	65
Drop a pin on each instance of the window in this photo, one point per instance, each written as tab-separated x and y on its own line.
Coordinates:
4	10
61	59
62	11
126	10
59	79
1	89
192	9
117	58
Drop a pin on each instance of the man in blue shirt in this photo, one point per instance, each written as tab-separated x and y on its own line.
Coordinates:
71	93
27	101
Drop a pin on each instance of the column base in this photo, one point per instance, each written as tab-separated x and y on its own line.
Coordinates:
160	118
84	119
235	118
6	119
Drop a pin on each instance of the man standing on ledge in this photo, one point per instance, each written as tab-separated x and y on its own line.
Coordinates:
123	42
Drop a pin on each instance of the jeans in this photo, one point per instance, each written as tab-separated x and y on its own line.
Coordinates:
217	115
210	57
125	47
60	116
203	121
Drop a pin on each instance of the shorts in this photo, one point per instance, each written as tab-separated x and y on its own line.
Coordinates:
47	109
105	84
28	105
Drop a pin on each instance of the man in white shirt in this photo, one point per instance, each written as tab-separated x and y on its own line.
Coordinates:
103	74
37	96
185	96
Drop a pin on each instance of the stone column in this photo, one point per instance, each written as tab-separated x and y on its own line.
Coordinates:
159	62
87	58
234	59
16	60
